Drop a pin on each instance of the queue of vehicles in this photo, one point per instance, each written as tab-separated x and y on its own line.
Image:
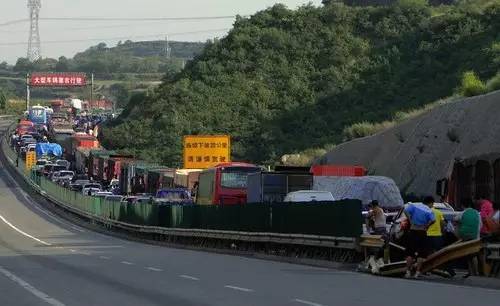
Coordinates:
82	165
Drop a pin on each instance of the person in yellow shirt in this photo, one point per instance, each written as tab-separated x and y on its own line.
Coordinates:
435	231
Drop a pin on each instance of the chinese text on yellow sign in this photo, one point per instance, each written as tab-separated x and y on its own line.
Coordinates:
205	151
30	160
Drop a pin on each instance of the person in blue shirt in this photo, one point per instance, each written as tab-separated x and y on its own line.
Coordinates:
420	217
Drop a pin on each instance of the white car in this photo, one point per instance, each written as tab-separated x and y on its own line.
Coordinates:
102	194
309	196
91	189
63	175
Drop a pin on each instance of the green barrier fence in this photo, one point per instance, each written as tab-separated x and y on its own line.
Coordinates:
340	218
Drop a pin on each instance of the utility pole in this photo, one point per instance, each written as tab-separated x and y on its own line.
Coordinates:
34	48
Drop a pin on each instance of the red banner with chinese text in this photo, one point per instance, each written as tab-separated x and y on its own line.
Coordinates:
63	79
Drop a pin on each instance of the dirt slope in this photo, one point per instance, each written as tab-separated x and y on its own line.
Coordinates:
422	150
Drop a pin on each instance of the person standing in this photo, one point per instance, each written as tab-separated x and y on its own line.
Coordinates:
435	231
377	218
469	222
486	211
420	217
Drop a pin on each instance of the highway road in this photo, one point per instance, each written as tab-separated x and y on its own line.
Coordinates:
45	260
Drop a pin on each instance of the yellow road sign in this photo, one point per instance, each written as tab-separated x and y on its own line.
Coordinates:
205	151
30	160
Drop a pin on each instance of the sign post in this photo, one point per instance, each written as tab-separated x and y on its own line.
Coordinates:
30	160
205	151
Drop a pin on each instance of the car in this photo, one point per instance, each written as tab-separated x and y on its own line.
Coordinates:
62	162
80	177
91	189
48	169
136	199
174	195
102	194
309	196
63	175
114	198
40	164
78	185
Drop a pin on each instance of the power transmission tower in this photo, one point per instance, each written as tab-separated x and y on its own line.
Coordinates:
34	49
168	49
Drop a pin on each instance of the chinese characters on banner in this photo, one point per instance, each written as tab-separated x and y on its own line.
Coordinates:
43	79
205	151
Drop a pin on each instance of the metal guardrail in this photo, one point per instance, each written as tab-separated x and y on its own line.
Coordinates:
342	243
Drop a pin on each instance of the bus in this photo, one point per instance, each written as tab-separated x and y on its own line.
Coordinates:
224	184
38	115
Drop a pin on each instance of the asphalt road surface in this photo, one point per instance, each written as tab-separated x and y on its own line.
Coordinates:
45	260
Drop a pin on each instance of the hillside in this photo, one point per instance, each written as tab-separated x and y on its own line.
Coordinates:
421	151
283	81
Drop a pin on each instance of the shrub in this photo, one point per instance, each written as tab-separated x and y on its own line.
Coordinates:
364	129
471	85
494	83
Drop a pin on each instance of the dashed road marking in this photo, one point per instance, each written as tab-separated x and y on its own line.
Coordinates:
154	269
23	233
238	288
127	263
41	295
72	251
189	277
105	257
309	303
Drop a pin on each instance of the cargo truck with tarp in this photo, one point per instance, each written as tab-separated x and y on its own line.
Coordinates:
79	140
128	184
93	165
159	178
186	178
272	187
364	188
48	149
113	169
81	163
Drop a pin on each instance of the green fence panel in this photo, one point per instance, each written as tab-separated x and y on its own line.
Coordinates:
341	218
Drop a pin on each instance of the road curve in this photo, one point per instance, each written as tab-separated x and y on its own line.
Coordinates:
45	260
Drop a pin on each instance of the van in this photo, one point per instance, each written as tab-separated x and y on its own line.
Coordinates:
309	196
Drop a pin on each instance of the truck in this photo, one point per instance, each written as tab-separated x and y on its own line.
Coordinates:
186	178
272	187
159	178
80	140
113	169
224	184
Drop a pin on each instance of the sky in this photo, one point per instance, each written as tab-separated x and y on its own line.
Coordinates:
82	34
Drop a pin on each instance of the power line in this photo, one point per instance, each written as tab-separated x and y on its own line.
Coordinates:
139	19
119	38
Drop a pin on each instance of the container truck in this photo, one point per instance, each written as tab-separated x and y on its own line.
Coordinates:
272	187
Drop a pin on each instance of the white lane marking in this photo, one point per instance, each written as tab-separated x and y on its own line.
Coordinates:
306	302
72	251
154	269
127	263
43	296
23	233
35	205
105	257
239	288
189	277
